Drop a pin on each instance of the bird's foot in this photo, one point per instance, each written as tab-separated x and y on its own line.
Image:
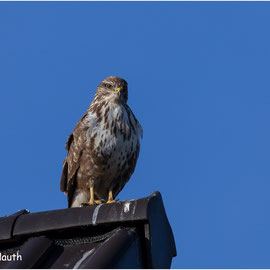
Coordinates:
112	201
94	202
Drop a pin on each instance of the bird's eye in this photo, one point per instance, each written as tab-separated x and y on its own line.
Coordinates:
109	86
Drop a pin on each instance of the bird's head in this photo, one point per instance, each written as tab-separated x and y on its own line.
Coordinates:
113	88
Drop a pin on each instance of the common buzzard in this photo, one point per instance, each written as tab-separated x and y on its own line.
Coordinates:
103	148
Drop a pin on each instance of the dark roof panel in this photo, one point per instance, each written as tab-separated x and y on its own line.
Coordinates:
7	225
128	234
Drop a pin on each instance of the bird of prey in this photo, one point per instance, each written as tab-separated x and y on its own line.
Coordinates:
103	148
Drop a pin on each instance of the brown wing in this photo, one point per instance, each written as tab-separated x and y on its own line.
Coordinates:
75	145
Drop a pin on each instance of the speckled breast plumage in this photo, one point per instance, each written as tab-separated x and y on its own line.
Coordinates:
112	148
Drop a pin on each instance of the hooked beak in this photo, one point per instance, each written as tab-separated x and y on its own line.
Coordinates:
116	91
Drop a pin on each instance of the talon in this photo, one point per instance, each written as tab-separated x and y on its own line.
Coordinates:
94	202
111	201
98	201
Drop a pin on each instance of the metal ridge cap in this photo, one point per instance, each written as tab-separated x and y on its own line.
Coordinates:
7	224
124	211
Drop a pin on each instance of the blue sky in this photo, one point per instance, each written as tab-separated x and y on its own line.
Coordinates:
199	83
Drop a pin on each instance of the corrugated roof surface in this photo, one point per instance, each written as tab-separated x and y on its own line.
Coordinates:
128	234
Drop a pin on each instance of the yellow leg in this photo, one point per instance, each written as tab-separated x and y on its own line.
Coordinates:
92	200
110	197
